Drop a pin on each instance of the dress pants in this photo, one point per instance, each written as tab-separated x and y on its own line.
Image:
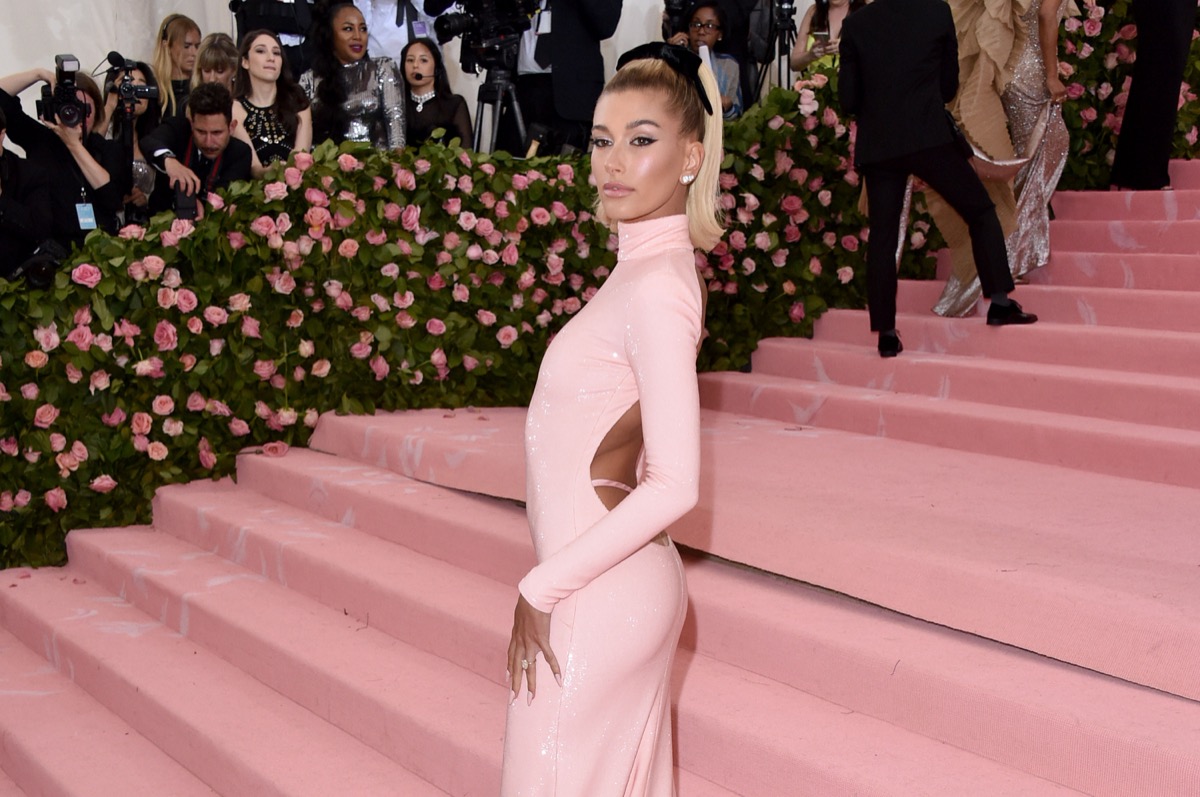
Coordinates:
1148	129
947	171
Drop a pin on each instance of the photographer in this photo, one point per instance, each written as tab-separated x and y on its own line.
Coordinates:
24	208
198	153
560	72
86	174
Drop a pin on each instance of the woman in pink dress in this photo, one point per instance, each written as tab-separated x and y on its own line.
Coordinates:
612	447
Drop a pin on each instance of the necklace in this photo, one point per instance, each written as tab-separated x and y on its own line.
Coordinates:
421	99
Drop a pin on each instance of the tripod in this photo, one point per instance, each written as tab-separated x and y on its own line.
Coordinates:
497	89
783	33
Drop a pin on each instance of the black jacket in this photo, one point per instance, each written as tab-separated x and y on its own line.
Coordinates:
576	29
175	135
25	213
67	186
899	69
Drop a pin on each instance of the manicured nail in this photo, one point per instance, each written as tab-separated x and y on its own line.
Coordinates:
529	700
513	702
558	677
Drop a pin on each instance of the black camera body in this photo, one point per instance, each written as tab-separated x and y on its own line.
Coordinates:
490	30
129	93
61	104
675	23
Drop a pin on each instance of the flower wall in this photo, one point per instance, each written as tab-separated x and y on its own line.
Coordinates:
352	280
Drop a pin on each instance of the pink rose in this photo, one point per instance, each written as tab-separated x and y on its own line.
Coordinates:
140	442
113	419
165	335
80	451
540	216
845	274
215	315
141	423
849	243
406	180
276	448
195	401
236	240
348	163
151	366
263	226
303	161
168	239
57	442
162	405
264	369
166	298
348	248
796	312
47	337
435	326
238	427
157	451
208	459
132	232
379	367
22	498
250	327
195	325
239	303
45	416
469	362
172	427
99	380
507	335
87	275
103	484
275	191
185	300
375	237
36	358
56	499
320	369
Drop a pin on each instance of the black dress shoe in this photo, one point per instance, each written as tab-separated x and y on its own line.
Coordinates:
889	344
1011	313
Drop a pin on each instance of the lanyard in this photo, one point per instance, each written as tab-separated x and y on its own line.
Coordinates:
212	173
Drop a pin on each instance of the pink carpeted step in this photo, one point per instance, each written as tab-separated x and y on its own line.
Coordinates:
8	788
349	673
1113	307
429	714
1113	348
406	455
764	728
1096	393
1108	270
1098	571
712	593
1133	205
58	740
1115	448
1158	237
1036	715
1185	175
193	705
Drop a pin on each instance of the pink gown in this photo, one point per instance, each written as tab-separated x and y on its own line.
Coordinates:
617	596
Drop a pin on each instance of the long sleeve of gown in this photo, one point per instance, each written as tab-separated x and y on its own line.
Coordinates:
662	328
391	88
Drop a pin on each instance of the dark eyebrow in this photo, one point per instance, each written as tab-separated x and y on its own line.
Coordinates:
639	122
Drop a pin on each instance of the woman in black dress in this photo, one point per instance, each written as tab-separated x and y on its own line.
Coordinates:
431	103
272	111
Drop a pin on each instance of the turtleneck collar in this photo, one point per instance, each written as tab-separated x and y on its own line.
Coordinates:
651	237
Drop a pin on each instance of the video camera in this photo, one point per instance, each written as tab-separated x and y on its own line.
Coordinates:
128	93
61	104
675	23
490	30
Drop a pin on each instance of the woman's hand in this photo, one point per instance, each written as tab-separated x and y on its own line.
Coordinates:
681	39
1058	92
530	634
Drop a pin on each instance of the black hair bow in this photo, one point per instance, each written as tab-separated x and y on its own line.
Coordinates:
681	59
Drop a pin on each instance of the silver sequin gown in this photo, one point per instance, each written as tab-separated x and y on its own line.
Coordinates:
374	100
1038	131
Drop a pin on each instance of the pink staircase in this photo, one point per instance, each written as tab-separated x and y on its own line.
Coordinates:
971	570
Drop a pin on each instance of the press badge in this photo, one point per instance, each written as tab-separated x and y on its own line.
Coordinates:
421	30
87	215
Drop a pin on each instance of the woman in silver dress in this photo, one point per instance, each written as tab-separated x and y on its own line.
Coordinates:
146	115
1031	101
354	97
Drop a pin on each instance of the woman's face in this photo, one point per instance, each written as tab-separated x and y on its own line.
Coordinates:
224	75
639	155
418	68
704	29
183	54
264	60
349	35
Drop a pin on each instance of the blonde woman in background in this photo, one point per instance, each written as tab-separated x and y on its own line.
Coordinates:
174	62
216	61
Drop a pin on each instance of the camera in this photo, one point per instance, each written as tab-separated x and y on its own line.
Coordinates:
490	30
185	205
39	269
129	93
61	103
675	23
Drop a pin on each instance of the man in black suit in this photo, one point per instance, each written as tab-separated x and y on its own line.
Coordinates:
560	72
899	69
1164	37
197	153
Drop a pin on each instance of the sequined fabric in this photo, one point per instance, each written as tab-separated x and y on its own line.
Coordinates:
374	101
617	597
268	135
1037	131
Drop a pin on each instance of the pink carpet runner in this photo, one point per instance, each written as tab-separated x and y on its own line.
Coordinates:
971	570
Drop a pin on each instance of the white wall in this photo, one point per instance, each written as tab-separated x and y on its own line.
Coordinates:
33	32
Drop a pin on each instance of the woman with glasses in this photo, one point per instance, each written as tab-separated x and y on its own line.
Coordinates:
705	26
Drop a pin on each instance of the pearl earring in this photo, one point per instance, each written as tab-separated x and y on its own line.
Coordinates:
687	179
